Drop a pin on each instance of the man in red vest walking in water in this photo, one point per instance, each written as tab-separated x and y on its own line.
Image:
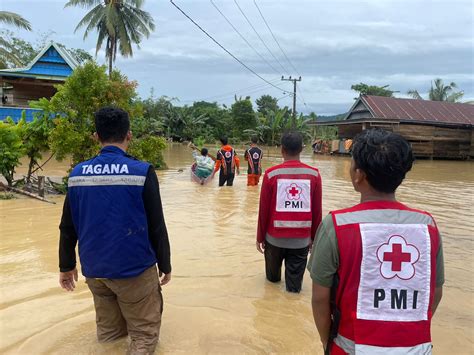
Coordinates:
289	214
377	268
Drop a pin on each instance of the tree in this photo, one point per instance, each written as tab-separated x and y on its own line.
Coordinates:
440	92
11	149
364	89
7	52
120	22
74	104
266	103
243	116
11	18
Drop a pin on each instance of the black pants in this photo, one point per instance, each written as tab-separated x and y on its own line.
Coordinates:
229	178
295	264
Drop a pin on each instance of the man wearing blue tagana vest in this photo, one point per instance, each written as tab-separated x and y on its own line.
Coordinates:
113	211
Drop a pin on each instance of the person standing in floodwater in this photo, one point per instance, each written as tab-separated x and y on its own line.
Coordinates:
254	156
227	162
381	260
113	210
289	214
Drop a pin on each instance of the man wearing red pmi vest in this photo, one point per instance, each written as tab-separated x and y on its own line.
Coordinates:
377	267
289	214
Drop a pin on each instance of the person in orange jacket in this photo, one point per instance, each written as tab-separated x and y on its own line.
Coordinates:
227	162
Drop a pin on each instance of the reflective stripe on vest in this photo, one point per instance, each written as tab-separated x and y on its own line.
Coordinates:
352	348
292	171
385	215
107	180
292	224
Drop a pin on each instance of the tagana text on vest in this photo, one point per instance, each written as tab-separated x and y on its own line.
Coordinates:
387	258
105	195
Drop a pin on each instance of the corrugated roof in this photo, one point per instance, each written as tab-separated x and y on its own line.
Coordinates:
419	110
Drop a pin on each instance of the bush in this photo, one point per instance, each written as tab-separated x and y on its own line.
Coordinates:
150	149
11	149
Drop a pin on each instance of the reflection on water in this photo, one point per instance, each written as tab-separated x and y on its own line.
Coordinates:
218	300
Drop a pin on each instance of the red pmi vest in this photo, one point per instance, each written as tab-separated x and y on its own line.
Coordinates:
294	184
387	273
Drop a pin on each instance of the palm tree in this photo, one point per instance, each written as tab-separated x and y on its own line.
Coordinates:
7	51
10	18
120	22
440	92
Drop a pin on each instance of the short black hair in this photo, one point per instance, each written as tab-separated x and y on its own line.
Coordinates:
292	142
385	157
224	140
204	152
111	124
254	139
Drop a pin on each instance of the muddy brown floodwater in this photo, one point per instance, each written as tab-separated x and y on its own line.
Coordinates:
218	301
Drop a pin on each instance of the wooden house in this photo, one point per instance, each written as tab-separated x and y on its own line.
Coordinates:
435	129
51	66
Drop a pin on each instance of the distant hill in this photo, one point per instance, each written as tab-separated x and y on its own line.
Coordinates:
332	117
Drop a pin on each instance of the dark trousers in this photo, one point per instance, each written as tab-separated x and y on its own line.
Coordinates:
229	178
295	264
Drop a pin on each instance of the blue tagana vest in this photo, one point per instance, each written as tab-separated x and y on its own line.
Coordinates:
105	195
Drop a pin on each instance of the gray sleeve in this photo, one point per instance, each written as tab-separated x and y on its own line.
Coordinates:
440	264
324	260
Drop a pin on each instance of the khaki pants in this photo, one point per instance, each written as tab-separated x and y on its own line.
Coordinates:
129	306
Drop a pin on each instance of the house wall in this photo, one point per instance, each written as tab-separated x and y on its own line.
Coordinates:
426	141
23	92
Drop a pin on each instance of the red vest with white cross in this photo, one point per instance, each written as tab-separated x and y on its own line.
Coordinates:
294	200
387	273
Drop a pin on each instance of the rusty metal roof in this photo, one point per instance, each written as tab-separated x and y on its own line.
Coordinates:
422	111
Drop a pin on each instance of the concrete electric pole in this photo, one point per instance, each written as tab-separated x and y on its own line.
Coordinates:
293	123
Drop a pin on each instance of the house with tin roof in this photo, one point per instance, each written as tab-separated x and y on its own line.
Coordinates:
19	86
435	129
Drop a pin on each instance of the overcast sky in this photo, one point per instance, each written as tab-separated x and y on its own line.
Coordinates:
332	44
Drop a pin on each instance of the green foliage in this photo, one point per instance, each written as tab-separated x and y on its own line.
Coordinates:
74	104
150	149
11	149
266	104
440	92
365	89
325	132
243	116
35	138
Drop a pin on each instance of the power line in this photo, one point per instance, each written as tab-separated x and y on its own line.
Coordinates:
227	51
241	36
300	92
276	41
261	39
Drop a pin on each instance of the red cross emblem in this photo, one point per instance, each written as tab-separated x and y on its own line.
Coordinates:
397	258
293	192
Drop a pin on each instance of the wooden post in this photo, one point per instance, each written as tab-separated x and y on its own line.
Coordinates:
41	181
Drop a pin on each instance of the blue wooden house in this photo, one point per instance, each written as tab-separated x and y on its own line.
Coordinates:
18	86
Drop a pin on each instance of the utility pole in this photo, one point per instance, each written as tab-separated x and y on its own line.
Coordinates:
293	123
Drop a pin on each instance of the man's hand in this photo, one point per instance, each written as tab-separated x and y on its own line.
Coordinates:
66	279
165	279
260	246
238	171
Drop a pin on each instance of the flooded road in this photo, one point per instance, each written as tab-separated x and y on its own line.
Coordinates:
218	301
